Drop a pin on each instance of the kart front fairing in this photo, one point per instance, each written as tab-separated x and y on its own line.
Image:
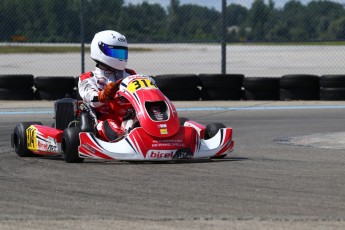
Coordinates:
139	145
160	135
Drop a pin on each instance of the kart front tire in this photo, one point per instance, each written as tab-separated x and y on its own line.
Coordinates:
19	139
211	130
183	120
70	143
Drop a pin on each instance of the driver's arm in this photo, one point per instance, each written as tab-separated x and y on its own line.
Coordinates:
108	92
88	91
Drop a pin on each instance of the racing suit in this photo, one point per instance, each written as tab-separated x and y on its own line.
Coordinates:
109	121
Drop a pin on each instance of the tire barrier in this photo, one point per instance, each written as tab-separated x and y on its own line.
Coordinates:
53	88
16	87
221	86
332	87
182	87
261	88
189	87
299	87
75	90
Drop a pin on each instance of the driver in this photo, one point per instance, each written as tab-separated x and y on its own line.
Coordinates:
109	50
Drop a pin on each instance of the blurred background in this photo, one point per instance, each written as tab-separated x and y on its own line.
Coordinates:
250	37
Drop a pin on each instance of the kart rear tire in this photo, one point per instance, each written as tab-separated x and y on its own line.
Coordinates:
211	130
19	139
70	143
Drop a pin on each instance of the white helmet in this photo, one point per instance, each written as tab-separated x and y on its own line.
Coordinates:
110	48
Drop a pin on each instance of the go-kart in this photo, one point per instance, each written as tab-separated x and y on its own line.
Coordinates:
157	135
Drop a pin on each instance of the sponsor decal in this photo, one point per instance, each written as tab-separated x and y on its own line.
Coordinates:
31	139
42	146
183	154
162	126
89	148
163	131
122	39
52	147
102	81
47	145
168	143
153	154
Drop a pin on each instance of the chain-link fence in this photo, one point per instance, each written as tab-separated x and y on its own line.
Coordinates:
43	37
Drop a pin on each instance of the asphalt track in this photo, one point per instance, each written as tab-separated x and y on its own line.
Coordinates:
286	172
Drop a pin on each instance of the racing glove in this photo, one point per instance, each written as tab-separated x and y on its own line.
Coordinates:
108	92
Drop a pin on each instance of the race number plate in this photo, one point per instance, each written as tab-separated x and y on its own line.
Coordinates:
140	84
31	138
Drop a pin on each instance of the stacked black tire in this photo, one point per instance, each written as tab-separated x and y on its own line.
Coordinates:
221	86
190	87
332	87
299	87
180	87
54	87
17	87
261	88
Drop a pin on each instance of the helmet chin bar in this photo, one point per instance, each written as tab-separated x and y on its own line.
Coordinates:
105	67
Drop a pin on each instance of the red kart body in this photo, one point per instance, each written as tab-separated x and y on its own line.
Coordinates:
160	135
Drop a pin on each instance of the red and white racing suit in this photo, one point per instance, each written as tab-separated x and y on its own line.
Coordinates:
109	114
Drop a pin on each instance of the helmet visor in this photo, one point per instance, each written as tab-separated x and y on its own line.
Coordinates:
119	52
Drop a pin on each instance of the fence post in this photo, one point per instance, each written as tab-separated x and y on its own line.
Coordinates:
82	36
223	36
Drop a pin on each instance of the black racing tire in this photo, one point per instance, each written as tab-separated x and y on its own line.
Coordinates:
211	130
261	83
177	81
300	81
42	94
191	94
221	81
261	95
16	94
19	139
332	81
299	94
54	83
221	94
17	81
183	120
70	144
332	94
